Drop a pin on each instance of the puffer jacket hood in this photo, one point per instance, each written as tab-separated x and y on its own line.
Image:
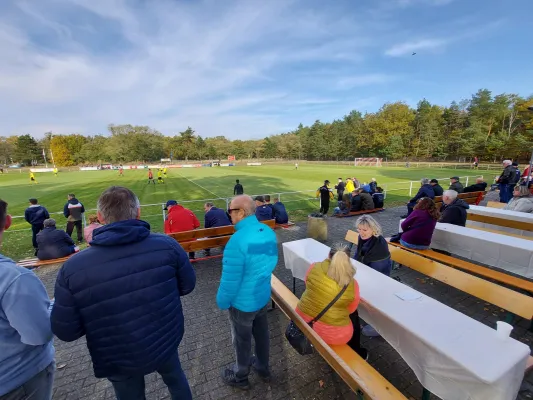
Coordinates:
122	232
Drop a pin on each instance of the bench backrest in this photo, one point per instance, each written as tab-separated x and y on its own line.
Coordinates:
521	225
499	232
209	232
360	376
505	298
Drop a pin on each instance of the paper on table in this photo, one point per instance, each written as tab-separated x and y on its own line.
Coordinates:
408	295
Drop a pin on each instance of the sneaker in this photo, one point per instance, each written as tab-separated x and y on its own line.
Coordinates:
228	376
264	377
369	331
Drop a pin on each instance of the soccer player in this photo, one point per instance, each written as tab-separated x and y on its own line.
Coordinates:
55	172
165	172
121	170
160	176
32	178
150	176
296	166
325	194
238	189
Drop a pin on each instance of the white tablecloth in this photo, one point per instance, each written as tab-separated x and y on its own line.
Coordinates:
452	355
499	213
498	250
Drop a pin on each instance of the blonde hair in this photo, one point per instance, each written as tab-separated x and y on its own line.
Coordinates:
368	221
340	268
93	219
523	191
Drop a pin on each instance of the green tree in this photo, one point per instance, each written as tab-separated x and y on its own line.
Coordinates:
27	150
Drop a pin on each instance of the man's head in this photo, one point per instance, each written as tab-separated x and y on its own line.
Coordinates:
340	180
259	201
49	223
454	179
514	164
170	204
424	181
373	179
433	182
236	180
71	196
449	196
507	163
267	198
208	206
479	180
241	207
5	219
326	182
276	200
118	204
33	201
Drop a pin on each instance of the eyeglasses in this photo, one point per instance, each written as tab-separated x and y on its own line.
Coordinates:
230	210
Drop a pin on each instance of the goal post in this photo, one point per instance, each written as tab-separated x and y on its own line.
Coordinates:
368	162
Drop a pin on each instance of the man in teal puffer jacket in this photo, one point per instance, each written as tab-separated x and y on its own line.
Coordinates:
249	260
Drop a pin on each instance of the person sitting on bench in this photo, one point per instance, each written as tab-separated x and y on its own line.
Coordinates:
323	281
280	212
53	243
262	211
372	250
418	227
356	202
426	190
453	210
522	200
479	186
366	200
378	198
344	205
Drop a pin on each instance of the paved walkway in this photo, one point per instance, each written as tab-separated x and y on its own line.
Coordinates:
206	347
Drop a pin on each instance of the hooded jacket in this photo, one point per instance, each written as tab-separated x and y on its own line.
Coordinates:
180	219
73	210
123	294
53	243
36	214
454	213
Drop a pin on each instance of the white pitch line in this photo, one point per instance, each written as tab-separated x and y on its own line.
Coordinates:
197	184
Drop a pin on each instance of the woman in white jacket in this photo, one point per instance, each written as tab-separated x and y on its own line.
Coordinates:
522	200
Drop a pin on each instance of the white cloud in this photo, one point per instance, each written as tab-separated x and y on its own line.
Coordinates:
409	47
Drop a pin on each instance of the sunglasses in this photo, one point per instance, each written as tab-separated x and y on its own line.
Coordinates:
230	210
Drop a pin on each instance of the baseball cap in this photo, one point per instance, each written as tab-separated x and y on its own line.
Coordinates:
455	177
171	203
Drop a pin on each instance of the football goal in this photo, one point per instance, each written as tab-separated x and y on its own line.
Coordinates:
368	162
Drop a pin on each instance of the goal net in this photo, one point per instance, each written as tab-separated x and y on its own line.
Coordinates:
372	162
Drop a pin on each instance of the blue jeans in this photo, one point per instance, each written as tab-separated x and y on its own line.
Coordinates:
131	387
413	246
37	388
244	325
506	192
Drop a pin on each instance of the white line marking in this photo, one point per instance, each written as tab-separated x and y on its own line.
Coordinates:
200	186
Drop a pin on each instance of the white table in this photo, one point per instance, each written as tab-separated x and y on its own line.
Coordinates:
452	355
499	213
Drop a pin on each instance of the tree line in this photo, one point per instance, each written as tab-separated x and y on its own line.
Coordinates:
489	127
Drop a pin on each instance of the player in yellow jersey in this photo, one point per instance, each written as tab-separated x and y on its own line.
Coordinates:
160	176
32	178
165	172
55	172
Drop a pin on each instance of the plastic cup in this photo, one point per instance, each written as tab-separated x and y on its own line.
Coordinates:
503	330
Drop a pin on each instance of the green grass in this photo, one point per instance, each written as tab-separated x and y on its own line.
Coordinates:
193	186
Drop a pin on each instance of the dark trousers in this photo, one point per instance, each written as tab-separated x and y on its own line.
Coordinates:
78	225
506	192
410	207
35	229
244	326
324	206
132	387
355	341
339	195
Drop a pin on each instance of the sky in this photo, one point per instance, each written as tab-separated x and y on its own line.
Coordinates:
248	68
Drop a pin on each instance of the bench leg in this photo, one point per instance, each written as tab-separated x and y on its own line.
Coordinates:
360	395
273	305
509	317
293	285
531	326
425	394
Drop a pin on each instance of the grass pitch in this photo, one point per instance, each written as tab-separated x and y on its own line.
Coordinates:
192	187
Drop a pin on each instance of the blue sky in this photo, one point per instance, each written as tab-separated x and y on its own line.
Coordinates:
248	68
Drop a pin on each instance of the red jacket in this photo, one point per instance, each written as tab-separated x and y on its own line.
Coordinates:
180	219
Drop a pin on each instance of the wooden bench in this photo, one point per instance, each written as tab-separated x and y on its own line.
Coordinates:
524	226
208	238
470	198
495	204
360	376
500	232
35	262
354	213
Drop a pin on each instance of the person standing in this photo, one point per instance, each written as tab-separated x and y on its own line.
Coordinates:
120	170
160	176
123	293
238	189
349	186
73	212
27	364
476	162
35	215
340	186
245	291
296	166
180	219
325	194
150	176
55	172
506	181
32	178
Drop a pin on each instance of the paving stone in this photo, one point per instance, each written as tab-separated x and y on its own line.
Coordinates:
206	347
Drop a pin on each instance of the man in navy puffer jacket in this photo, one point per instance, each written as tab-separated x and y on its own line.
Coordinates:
123	294
426	190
